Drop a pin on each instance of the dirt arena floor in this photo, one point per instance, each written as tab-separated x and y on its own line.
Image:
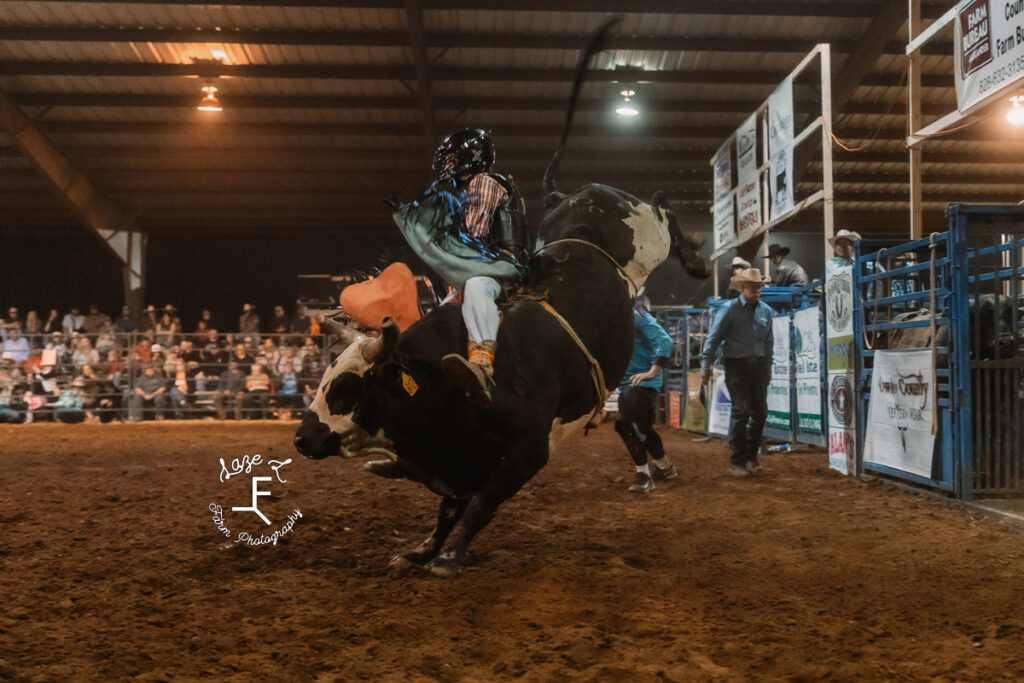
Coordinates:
111	567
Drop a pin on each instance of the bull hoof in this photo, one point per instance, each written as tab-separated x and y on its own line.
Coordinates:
443	566
389	469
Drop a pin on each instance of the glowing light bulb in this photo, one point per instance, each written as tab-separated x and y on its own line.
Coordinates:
210	102
1016	113
626	109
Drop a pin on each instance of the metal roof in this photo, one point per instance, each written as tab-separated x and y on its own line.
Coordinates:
325	114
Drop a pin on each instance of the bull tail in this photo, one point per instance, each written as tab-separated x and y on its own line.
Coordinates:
597	43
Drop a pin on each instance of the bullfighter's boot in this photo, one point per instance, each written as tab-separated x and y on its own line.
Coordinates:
476	375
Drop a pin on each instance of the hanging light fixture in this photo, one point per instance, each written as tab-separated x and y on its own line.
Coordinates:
1016	113
210	101
627	108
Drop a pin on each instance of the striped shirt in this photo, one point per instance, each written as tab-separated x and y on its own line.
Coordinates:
480	199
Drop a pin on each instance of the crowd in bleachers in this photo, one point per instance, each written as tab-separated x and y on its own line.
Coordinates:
95	368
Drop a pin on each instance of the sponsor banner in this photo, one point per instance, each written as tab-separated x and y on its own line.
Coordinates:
725	230
674	409
694	414
748	194
839	388
780	148
721	406
899	426
779	403
723	171
988	49
807	340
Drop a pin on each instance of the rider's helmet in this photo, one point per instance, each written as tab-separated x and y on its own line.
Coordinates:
464	153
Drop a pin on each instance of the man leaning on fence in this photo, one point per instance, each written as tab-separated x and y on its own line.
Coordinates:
743	329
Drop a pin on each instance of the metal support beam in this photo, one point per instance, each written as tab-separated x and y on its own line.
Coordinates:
421	63
112	224
914	80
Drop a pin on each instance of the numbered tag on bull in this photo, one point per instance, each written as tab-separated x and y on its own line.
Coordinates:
409	384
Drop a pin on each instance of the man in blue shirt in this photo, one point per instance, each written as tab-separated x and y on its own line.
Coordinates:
638	392
743	330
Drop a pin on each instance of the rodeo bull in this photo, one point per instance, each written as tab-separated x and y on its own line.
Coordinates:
389	394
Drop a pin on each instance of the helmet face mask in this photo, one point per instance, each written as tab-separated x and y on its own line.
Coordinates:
463	154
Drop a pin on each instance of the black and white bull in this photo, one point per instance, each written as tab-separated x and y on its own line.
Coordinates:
389	393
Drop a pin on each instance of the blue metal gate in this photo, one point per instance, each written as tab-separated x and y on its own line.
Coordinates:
972	278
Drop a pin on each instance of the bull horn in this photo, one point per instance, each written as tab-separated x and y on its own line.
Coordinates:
342	331
380	349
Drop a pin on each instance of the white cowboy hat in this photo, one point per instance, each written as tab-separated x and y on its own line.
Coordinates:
739	261
844	234
749	276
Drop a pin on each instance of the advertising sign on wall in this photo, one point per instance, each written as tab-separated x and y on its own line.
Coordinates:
988	49
779	410
840	383
723	171
899	426
807	340
724	228
748	193
780	147
721	406
694	413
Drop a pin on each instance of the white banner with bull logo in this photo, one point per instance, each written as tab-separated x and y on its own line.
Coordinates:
779	403
839	355
899	427
988	49
807	326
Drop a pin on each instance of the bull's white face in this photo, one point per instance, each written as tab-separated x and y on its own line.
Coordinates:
328	428
651	242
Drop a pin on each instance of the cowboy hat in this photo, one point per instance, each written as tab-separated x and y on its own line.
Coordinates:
739	261
776	250
844	234
751	276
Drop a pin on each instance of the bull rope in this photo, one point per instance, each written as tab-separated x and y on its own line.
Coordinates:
633	289
596	374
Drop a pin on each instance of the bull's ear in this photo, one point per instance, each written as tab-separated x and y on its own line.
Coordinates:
343	393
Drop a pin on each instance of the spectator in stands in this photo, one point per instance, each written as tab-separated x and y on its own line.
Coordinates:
309	347
10	321
73	321
188	353
738	264
290	392
206	323
142	353
69	408
33	329
95	321
113	368
84	354
242	357
787	273
289	361
230	392
280	324
126	323
172	311
301	321
16	345
166	331
271	352
150	392
184	385
214	357
315	324
60	348
97	392
52	322
312	372
149	321
105	343
257	390
249	322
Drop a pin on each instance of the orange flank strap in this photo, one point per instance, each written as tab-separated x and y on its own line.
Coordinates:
481	352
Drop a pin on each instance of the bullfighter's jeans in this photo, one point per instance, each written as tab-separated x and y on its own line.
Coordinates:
636	423
478	308
747	381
